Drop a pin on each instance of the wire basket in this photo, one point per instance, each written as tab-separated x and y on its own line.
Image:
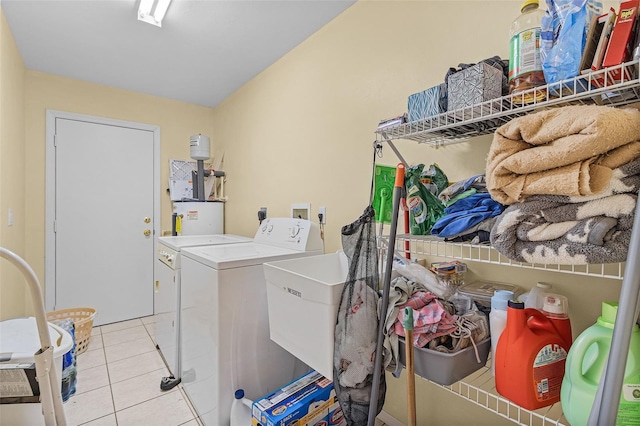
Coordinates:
83	322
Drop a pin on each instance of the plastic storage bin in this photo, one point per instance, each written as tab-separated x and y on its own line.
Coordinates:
482	291
303	296
19	339
446	368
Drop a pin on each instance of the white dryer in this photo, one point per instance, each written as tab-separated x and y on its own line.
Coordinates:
225	324
166	300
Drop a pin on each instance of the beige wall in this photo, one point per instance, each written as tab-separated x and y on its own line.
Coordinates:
13	290
301	131
177	121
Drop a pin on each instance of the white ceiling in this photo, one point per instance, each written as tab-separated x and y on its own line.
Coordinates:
205	50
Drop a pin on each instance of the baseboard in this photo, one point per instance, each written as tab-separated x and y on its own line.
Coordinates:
388	419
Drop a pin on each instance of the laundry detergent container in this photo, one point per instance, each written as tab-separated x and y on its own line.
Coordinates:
19	341
303	296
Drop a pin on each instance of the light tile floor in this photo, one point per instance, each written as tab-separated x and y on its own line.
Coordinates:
119	381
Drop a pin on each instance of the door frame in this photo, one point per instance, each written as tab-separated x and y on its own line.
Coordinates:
50	188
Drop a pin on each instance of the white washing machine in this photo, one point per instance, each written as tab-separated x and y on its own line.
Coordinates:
225	325
166	300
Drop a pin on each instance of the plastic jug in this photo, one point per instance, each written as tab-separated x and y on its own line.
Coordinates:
530	358
498	320
584	367
556	308
240	409
536	294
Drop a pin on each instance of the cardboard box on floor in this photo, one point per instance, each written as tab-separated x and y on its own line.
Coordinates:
307	401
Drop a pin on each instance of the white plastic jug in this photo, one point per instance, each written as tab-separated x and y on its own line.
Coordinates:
241	410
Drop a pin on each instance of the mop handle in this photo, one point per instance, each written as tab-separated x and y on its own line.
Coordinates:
411	378
386	283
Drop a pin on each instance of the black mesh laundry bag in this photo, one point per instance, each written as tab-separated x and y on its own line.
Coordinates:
357	323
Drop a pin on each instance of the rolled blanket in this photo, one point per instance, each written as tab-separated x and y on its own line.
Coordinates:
563	151
556	229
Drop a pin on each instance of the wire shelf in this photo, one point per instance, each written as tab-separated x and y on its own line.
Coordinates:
428	245
480	389
613	86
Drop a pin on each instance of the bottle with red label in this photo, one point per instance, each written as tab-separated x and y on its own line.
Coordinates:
530	358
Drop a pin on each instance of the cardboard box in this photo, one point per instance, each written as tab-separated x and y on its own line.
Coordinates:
427	103
307	401
473	85
619	48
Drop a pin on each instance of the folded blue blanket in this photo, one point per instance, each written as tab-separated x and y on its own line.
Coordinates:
465	214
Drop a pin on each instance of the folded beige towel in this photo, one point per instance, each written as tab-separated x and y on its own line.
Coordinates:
565	151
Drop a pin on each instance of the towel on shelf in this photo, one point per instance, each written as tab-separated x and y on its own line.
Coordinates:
556	229
465	214
476	182
563	151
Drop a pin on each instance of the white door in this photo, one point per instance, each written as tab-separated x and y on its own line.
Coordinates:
104	216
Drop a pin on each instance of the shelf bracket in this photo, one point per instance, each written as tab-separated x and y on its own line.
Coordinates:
394	149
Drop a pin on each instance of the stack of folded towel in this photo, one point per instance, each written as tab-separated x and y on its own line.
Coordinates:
570	176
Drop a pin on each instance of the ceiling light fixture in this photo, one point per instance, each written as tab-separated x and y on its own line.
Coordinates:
152	11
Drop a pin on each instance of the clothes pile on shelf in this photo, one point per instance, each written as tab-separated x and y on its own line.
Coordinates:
570	176
469	213
436	324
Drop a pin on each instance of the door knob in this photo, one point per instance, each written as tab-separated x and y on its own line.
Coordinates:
147	232
147	219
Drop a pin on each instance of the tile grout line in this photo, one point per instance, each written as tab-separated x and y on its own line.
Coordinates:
182	393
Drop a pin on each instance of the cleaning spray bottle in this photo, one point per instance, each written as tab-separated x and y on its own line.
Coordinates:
585	363
530	358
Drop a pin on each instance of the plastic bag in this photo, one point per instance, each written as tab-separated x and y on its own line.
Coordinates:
418	273
424	207
434	179
563	36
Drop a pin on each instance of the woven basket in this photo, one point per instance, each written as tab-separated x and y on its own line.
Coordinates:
82	320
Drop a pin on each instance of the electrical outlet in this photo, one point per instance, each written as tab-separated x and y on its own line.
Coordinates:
262	214
301	210
323	211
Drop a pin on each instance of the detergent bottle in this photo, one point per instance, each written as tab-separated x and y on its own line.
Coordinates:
530	358
586	362
556	308
240	409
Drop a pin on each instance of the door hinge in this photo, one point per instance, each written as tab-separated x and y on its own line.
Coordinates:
55	137
55	227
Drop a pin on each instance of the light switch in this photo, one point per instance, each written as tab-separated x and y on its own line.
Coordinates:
10	217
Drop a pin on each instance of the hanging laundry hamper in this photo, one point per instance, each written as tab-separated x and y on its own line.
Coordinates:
83	322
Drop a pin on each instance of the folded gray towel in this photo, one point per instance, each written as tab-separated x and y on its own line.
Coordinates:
557	229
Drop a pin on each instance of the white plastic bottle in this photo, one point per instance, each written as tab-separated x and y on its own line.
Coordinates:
498	320
241	410
536	296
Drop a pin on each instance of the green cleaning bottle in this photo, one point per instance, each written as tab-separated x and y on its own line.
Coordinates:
585	364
